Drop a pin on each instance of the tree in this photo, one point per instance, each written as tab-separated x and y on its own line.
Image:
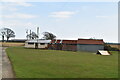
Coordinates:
2	33
109	48
6	32
48	36
32	35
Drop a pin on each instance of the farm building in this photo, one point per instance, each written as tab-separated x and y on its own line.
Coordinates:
37	43
68	45
56	45
91	45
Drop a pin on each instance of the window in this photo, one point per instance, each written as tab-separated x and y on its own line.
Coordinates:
42	43
30	43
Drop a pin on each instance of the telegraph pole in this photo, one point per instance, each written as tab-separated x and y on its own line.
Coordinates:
30	34
38	32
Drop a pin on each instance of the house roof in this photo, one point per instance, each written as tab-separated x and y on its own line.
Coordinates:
39	41
55	41
69	41
79	41
90	41
65	41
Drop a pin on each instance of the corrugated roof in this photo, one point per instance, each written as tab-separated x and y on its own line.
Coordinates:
79	41
55	41
69	41
39	41
90	41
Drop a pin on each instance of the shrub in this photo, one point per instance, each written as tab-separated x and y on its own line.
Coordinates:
109	48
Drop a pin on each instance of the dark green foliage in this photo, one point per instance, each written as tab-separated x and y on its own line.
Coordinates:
109	48
49	36
6	32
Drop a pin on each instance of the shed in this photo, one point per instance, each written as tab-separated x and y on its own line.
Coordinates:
37	43
56	44
69	45
91	45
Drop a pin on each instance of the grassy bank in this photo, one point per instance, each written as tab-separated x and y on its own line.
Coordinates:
36	63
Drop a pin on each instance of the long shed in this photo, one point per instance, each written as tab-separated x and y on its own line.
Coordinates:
91	45
37	43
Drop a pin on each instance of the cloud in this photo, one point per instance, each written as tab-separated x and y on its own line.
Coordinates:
17	3
24	4
108	17
19	16
11	6
8	8
65	0
18	26
62	14
102	16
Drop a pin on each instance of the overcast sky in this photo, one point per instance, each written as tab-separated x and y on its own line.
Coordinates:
67	20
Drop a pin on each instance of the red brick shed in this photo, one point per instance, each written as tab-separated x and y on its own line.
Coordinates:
77	45
69	45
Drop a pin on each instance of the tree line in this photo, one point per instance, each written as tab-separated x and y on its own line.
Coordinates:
9	33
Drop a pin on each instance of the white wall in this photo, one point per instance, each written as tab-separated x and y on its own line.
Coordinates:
33	46
42	46
29	45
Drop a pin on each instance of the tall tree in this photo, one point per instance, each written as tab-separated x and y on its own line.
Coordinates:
6	32
48	36
2	33
32	35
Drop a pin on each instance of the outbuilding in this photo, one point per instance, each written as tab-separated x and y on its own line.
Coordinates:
37	43
91	45
69	45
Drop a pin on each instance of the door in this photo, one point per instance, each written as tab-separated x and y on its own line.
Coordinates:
36	45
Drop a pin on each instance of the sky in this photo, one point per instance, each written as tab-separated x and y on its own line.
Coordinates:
67	20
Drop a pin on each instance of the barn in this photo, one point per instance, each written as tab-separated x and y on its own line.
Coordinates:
37	43
91	45
55	45
67	45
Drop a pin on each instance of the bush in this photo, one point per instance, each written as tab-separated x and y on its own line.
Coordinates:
109	48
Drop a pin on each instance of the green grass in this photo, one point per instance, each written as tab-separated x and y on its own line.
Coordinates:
36	63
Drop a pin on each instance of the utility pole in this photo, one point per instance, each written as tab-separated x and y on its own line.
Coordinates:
36	45
30	34
38	32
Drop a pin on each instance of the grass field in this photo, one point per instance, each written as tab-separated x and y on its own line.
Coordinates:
36	63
